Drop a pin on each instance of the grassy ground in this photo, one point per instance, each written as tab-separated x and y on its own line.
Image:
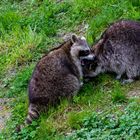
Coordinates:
28	29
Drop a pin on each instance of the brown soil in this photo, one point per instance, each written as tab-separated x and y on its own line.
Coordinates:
4	112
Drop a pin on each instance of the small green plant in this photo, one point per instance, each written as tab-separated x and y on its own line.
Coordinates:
124	125
28	132
75	119
135	3
118	95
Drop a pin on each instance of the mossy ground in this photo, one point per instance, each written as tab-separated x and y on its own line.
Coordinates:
28	29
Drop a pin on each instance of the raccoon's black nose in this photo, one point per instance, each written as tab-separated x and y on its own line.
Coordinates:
95	58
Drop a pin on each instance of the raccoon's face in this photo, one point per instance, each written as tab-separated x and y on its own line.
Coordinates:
80	48
89	65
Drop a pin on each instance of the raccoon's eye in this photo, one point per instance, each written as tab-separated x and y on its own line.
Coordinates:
84	52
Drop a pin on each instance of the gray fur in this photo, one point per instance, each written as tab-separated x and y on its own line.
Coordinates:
118	50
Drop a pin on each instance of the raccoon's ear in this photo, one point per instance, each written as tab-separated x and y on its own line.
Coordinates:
74	38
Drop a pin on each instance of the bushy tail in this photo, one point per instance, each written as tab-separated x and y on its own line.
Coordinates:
33	113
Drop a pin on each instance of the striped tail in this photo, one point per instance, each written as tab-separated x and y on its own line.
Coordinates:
33	113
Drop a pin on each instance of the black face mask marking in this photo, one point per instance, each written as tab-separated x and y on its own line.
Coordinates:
84	53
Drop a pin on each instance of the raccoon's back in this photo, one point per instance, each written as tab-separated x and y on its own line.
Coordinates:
120	48
52	78
122	39
124	30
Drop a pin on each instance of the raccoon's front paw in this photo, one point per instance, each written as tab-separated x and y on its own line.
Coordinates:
86	80
92	74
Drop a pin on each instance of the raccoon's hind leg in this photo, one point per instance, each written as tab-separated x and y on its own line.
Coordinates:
33	113
130	79
126	81
130	76
118	77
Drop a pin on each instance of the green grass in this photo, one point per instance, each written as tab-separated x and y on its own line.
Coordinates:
28	29
122	125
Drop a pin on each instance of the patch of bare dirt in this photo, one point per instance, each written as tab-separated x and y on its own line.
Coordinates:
134	93
4	112
134	90
80	30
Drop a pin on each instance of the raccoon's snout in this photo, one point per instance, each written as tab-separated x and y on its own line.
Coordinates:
88	59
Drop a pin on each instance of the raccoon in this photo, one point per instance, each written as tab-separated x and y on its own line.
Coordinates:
57	75
118	51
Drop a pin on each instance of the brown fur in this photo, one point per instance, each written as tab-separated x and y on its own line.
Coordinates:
57	75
